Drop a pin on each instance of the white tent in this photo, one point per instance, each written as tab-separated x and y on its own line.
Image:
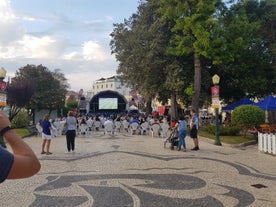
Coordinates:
131	108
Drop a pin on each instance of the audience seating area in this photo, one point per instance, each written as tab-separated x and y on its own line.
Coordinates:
149	127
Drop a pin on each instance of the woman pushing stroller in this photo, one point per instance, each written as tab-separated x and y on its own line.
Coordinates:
181	126
177	137
172	138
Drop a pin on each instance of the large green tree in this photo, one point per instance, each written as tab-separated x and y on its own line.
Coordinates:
249	69
168	45
50	87
140	45
139	53
195	33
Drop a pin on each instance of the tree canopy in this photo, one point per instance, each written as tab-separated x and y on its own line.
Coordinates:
49	87
19	93
172	47
138	45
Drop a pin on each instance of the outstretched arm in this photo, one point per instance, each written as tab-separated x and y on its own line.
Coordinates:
25	162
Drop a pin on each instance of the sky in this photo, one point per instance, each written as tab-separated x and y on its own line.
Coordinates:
70	35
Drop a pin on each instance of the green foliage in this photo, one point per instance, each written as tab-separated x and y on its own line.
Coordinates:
19	94
22	132
223	130
50	87
249	69
196	32
248	116
235	139
168	45
21	120
71	104
139	44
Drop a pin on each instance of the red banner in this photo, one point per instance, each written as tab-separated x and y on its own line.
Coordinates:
215	97
3	87
215	91
3	93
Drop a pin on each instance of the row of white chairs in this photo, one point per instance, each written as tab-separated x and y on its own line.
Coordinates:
155	130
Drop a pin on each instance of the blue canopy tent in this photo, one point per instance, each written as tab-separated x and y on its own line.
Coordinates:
269	105
244	101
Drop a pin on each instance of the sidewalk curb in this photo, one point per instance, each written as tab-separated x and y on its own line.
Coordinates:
211	141
244	144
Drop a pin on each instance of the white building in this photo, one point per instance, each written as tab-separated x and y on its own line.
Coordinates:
112	83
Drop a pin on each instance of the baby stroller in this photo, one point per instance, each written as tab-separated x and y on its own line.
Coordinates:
173	139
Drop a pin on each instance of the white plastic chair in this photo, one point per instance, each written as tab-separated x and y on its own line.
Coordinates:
83	130
108	128
97	125
60	126
155	128
54	131
39	129
134	127
90	123
118	126
144	128
125	125
164	129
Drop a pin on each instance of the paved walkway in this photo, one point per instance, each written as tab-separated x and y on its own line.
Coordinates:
134	171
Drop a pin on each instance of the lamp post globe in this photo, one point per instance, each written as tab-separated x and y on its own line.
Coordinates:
3	73
215	79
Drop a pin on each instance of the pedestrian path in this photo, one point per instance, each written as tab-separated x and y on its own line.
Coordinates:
133	170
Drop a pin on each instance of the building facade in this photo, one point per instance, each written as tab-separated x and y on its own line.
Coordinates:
112	83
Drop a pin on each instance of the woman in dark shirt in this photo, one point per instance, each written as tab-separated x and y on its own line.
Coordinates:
46	135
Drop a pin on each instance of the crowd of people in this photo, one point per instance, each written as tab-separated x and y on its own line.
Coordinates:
78	125
22	161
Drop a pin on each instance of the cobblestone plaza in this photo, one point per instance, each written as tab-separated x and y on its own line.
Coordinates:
124	170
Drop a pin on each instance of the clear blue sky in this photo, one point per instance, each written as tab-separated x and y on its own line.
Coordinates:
72	35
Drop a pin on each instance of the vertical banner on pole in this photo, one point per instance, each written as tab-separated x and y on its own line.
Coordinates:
3	93
215	97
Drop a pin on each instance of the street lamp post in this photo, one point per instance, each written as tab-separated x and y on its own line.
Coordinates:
216	105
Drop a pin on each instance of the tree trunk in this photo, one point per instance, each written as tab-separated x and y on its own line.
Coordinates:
174	109
197	83
148	107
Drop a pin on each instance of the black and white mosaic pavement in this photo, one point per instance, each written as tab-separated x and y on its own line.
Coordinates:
127	171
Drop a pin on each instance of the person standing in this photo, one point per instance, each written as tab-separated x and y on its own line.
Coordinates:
46	135
194	129
71	125
22	163
181	126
